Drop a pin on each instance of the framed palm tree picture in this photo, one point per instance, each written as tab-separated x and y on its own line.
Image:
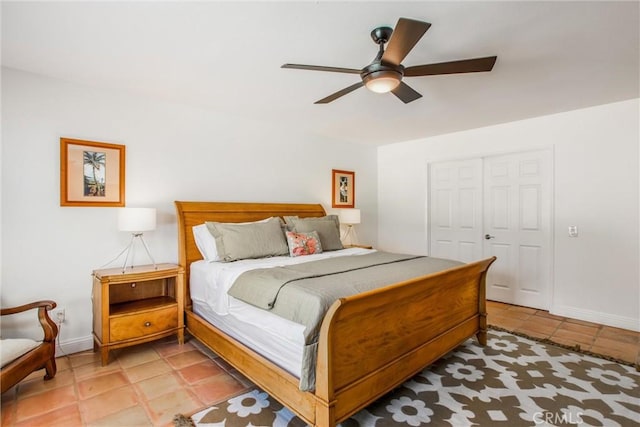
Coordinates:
91	173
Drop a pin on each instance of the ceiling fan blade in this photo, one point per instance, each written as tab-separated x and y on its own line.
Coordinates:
321	68
405	93
453	67
340	93
403	39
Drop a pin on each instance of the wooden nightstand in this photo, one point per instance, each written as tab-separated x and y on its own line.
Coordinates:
140	305
359	246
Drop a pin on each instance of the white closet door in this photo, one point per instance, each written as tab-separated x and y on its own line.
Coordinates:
455	209
517	228
500	206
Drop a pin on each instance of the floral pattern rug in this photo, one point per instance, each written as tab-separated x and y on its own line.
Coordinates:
513	381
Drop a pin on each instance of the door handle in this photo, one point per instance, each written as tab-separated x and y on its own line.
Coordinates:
489	236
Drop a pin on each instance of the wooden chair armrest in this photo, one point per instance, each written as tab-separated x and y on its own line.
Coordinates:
49	327
49	305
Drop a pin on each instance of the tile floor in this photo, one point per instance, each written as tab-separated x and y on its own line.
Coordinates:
144	385
619	343
148	384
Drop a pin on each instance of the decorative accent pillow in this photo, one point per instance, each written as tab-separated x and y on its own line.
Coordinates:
236	241
303	243
327	227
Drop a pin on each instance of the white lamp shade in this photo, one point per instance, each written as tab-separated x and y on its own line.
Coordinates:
137	219
350	216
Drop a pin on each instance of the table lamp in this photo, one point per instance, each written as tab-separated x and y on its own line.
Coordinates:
350	217
136	221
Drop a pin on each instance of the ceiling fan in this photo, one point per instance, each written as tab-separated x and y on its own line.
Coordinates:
385	73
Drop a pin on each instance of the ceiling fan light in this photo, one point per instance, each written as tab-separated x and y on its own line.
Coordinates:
382	81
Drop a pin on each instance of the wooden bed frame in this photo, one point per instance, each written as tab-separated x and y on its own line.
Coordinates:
369	343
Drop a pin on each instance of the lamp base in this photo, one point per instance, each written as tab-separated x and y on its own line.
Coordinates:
350	237
130	248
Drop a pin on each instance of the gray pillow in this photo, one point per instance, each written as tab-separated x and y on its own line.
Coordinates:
327	227
249	240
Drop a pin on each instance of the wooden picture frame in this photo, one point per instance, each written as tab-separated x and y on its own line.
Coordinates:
91	173
343	186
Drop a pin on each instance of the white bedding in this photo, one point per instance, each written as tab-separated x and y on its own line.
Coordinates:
283	352
280	340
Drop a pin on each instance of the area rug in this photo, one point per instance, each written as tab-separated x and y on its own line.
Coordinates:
513	381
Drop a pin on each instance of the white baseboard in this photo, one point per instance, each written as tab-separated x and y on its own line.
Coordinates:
597	317
75	345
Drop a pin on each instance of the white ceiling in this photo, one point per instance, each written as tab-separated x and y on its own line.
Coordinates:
226	57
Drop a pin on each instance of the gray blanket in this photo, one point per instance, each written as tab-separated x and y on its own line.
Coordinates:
304	292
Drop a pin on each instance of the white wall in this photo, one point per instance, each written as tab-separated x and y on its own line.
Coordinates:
597	275
174	152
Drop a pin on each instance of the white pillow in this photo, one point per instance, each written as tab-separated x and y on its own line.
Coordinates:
206	243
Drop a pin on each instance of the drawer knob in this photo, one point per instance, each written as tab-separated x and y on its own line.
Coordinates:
147	324
133	285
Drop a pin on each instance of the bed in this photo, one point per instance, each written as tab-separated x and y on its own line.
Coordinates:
409	325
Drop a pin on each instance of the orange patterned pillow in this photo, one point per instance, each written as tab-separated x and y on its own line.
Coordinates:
303	243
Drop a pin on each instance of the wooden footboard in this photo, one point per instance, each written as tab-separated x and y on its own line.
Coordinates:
372	342
369	343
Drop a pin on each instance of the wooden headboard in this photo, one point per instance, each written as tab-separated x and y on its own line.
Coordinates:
194	213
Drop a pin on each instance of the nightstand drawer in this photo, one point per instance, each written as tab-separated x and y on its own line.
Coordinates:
141	324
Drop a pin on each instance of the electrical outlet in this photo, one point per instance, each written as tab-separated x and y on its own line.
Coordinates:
60	315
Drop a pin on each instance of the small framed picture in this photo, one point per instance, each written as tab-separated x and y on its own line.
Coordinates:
344	189
91	173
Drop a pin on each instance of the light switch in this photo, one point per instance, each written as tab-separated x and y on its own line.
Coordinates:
573	231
